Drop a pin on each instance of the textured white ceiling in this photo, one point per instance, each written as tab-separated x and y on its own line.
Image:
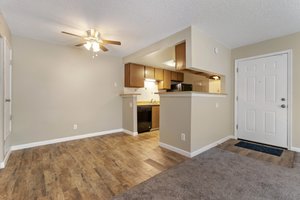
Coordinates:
139	23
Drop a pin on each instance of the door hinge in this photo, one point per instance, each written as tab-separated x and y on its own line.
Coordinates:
237	127
11	118
237	98
237	70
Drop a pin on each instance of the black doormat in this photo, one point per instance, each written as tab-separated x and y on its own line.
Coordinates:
261	148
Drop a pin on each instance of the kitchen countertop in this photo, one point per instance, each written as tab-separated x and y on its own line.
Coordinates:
190	92
148	103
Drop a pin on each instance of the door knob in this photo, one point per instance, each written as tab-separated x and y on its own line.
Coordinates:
7	100
282	99
283	106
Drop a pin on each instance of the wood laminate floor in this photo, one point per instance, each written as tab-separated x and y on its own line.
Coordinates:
286	159
94	168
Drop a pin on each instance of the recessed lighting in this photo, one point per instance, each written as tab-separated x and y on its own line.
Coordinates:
215	77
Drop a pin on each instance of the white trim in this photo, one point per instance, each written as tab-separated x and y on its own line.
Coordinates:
289	53
175	149
3	163
296	149
130	132
59	140
207	147
64	139
197	152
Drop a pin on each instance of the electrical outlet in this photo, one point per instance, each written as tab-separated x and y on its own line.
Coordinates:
182	136
75	126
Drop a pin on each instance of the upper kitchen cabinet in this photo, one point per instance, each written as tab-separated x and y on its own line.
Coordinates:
134	75
177	76
180	56
180	77
149	72
166	83
158	74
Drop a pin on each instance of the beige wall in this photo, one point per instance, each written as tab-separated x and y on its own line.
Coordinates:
203	119
55	87
203	56
275	45
130	113
4	32
210	121
175	118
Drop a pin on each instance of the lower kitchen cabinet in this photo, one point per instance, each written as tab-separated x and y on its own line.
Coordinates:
155	117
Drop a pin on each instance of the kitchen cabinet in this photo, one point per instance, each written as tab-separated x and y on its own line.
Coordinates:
149	72
134	75
173	76
176	76
180	77
166	83
158	74
180	56
155	117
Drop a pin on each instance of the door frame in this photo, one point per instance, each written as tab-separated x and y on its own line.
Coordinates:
289	53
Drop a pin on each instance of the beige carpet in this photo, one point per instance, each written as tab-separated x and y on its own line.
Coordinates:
221	175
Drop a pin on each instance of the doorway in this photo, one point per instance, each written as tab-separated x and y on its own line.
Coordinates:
263	99
6	65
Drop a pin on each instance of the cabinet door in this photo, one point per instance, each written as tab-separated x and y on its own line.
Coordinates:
167	79
180	56
149	72
134	75
174	76
177	76
180	77
159	74
155	117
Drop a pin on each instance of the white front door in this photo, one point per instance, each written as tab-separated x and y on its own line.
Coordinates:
7	89
262	113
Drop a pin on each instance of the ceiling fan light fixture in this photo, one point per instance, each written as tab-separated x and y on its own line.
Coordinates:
95	47
88	45
93	41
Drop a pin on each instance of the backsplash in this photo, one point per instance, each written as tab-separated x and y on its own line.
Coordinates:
147	93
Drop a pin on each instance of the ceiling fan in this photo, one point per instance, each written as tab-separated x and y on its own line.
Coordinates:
93	40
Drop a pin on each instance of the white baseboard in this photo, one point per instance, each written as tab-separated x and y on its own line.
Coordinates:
207	147
64	139
3	163
59	140
130	132
197	152
175	149
296	149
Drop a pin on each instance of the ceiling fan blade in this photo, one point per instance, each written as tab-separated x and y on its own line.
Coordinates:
111	42
71	34
79	45
103	47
